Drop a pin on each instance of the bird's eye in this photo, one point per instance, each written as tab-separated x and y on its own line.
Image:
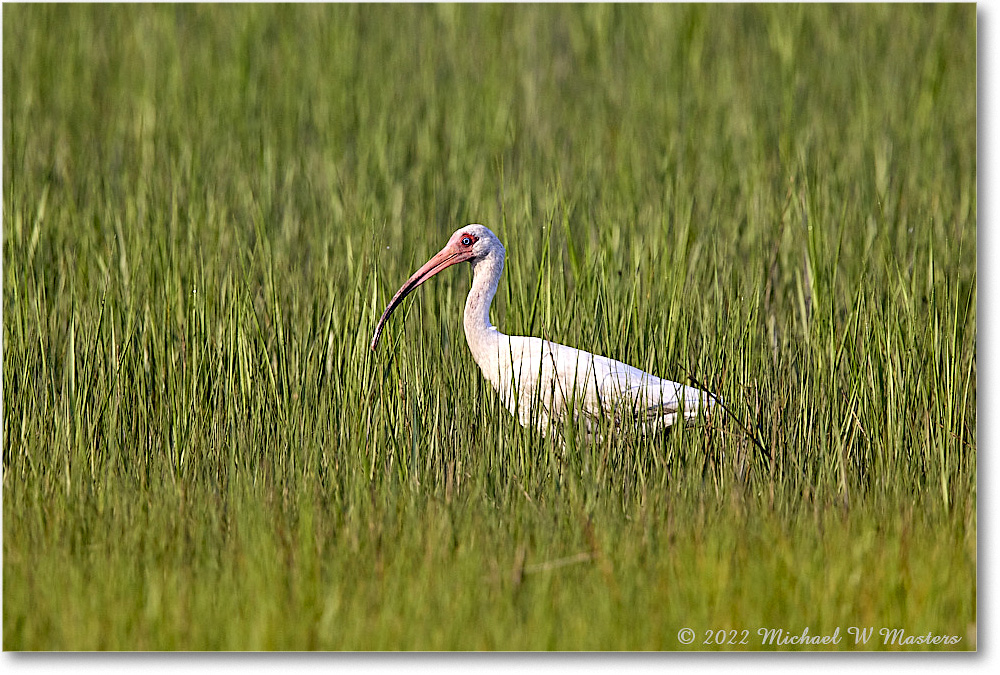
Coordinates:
466	241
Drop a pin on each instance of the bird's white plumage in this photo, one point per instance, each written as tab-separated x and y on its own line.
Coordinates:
542	382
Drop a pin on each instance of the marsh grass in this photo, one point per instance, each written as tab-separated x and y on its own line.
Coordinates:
206	208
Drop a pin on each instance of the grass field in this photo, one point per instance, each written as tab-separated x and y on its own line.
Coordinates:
205	209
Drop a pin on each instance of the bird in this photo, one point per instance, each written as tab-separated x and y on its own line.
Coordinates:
543	384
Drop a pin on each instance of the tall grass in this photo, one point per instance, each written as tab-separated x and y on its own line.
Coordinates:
206	207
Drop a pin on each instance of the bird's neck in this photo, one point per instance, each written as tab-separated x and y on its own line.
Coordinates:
479	332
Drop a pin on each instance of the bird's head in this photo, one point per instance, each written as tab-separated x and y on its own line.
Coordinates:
471	243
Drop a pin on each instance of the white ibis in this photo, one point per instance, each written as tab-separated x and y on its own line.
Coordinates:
539	381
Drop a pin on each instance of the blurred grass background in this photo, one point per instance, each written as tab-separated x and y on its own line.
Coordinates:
205	208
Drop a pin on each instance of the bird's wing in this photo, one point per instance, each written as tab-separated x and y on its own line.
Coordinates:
629	390
555	380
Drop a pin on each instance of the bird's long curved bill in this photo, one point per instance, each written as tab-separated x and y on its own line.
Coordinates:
442	260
